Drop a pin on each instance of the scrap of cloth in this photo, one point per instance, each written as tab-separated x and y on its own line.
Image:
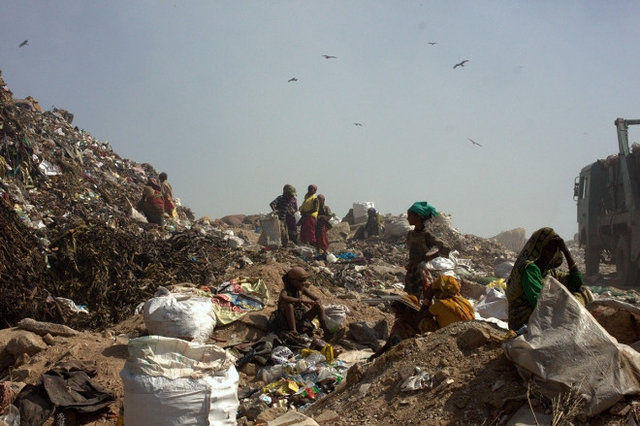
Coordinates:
66	386
75	390
238	296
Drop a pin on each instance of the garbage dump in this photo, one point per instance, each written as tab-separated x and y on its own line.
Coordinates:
138	313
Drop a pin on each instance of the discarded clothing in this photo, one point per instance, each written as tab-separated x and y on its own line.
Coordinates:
238	296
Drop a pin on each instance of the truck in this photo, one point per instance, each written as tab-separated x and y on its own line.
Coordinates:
607	193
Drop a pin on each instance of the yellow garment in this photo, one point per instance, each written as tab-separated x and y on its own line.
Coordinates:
450	307
500	283
447	285
307	206
454	309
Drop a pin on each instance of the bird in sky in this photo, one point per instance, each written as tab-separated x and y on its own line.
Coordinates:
292	79
24	43
328	57
460	64
433	43
474	142
357	124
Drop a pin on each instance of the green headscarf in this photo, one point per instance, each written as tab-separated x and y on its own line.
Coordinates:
423	209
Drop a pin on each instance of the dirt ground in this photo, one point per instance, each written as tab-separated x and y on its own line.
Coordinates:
470	380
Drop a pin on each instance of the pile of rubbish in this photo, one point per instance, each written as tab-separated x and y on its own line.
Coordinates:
76	252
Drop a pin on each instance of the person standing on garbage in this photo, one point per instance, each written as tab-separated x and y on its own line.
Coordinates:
309	212
322	224
286	206
406	309
152	202
167	195
448	304
423	247
297	305
541	256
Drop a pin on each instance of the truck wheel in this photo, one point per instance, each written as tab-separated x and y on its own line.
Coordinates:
625	269
591	260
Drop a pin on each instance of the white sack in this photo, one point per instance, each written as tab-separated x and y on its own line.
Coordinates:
565	347
181	316
493	304
270	235
396	228
174	382
360	211
335	317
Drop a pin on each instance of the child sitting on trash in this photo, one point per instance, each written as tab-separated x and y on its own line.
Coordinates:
294	314
406	309
449	305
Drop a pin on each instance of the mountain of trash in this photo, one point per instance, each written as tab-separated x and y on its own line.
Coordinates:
71	243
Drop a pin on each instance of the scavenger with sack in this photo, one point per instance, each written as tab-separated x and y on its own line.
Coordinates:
542	255
167	195
152	202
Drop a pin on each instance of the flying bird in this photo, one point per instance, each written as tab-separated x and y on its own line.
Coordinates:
24	43
433	43
328	57
357	124
461	64
292	79
474	142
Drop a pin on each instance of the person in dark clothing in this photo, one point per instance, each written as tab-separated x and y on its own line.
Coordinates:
286	206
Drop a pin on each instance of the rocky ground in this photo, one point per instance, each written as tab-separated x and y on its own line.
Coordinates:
69	232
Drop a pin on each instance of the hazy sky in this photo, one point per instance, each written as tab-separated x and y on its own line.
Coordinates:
200	89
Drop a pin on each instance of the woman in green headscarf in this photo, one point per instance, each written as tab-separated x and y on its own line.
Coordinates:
418	279
541	255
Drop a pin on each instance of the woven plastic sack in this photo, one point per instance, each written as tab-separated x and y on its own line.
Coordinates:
172	382
181	316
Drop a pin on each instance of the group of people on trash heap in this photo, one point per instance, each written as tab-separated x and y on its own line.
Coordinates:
314	217
431	304
157	199
428	304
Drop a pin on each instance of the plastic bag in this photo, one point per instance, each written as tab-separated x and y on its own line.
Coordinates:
174	382
396	228
281	354
10	416
270	235
564	348
335	317
360	211
181	316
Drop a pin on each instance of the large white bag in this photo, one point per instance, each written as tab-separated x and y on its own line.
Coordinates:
565	347
335	317
396	228
270	236
182	316
360	211
173	382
